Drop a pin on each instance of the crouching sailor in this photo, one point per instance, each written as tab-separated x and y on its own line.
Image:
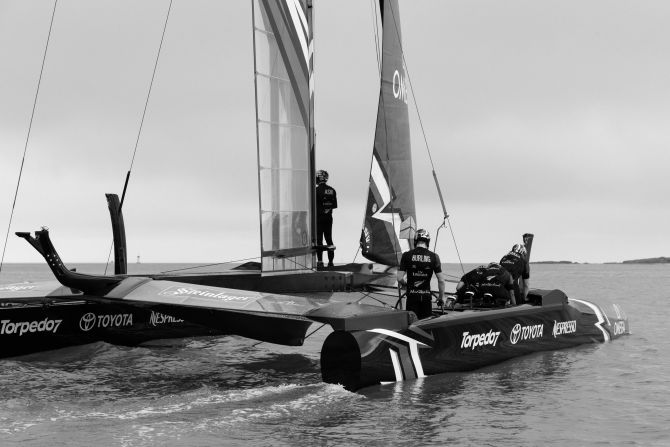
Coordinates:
491	282
416	269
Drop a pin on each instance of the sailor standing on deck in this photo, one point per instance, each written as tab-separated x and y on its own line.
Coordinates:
416	269
326	202
516	263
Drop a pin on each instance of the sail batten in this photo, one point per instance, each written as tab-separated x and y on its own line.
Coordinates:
282	66
390	217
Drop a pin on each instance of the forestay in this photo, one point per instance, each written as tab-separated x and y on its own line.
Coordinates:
284	123
390	216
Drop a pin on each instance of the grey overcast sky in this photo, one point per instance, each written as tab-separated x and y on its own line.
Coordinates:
543	116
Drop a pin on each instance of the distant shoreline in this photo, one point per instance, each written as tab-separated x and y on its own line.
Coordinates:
660	260
555	262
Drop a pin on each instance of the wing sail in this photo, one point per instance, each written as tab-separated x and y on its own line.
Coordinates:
283	69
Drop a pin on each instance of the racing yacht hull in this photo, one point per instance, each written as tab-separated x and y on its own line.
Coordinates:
465	340
41	316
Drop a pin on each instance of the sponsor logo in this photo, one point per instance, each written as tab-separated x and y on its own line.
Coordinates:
87	321
564	327
90	320
399	87
619	327
7	327
521	333
16	288
474	340
158	318
221	296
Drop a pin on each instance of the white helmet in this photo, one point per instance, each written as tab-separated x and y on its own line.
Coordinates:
519	249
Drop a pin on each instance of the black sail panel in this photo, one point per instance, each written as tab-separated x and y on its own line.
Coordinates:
390	214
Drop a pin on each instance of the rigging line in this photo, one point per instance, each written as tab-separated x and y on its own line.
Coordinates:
109	256
425	139
30	126
409	79
451	230
209	265
446	219
370	295
139	132
357	252
312	333
151	84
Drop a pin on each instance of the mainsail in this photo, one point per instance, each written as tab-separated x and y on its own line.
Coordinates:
390	216
284	125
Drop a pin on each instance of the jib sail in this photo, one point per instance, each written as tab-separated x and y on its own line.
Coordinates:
390	216
284	127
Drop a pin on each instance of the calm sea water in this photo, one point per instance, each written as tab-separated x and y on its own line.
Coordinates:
232	391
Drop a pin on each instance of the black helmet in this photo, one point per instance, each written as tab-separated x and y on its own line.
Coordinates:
321	176
422	235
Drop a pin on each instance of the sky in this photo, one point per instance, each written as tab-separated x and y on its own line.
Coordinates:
549	117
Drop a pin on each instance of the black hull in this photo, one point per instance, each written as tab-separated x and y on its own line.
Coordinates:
464	341
30	323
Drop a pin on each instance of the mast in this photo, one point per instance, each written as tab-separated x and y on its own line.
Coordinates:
390	217
284	133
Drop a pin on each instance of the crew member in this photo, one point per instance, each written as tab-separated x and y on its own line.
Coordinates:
516	262
326	202
416	269
491	279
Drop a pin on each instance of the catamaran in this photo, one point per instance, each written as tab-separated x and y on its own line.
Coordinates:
369	344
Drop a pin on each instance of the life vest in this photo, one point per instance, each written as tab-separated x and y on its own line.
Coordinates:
492	279
515	264
326	198
420	264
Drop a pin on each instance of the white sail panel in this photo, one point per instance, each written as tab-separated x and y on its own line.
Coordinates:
283	122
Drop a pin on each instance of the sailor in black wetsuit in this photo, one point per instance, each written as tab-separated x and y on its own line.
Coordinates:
419	265
492	279
516	262
326	202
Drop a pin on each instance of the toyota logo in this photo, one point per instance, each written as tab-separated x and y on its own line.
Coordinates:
87	321
516	334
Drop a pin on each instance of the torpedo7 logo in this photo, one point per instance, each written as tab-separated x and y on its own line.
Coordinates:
7	327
